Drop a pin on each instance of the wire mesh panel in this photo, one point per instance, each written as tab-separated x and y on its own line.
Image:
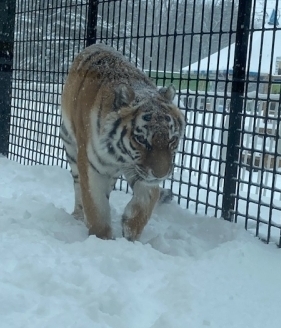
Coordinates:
192	44
47	36
258	202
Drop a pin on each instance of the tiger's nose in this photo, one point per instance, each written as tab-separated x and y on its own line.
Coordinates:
161	173
160	164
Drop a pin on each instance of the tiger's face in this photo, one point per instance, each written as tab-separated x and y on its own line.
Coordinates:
143	135
156	144
156	128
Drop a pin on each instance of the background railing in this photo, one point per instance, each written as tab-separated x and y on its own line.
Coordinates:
222	56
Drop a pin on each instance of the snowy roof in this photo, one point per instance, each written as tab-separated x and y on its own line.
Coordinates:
262	51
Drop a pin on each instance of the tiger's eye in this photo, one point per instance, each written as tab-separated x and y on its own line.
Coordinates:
139	139
167	118
147	117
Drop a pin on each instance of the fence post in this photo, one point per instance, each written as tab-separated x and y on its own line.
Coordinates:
236	105
92	21
7	25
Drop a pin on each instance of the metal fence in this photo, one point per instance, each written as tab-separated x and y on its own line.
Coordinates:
224	58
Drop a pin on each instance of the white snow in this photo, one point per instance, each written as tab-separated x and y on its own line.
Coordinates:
186	272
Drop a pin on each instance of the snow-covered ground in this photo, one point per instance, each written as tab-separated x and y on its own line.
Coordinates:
187	271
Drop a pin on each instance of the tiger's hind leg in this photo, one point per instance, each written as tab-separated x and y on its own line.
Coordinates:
166	196
71	154
138	211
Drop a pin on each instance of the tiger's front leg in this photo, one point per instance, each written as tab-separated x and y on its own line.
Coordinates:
138	211
95	189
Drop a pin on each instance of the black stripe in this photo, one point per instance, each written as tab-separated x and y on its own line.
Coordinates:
110	148
124	132
131	145
99	118
64	130
64	134
67	141
131	155
70	158
75	178
134	122
147	145
94	168
181	125
101	162
121	159
114	128
121	147
120	143
115	105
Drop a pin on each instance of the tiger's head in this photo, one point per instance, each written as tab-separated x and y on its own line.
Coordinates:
150	131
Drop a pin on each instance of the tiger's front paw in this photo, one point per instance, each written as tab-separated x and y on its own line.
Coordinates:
78	215
130	230
103	232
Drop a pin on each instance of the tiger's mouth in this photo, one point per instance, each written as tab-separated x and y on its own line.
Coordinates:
148	177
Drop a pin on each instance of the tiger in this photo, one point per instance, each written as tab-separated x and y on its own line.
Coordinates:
117	122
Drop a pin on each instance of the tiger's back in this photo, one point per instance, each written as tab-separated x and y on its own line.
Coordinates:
92	78
116	121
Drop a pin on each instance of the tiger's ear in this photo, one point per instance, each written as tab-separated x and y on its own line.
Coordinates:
169	92
124	95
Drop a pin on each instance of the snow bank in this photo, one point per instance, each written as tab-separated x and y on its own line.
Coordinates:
186	272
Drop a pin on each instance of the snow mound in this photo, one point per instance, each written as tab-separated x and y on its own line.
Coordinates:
186	271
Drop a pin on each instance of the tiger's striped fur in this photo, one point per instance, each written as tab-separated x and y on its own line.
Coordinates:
116	122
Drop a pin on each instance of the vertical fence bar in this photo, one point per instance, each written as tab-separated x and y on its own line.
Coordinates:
92	21
7	25
236	105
